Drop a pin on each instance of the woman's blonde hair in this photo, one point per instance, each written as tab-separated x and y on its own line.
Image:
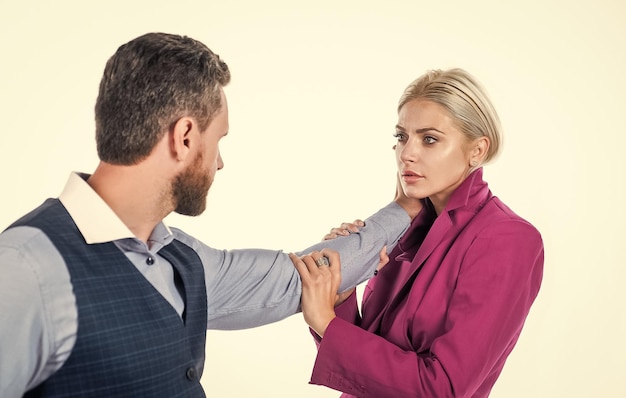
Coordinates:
465	100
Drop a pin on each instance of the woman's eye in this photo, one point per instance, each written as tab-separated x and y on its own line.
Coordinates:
400	136
429	139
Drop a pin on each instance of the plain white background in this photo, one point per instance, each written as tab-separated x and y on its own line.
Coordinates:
312	105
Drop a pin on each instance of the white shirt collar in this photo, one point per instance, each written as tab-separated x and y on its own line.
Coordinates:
95	220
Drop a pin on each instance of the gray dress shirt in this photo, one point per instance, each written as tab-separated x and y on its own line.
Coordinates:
245	288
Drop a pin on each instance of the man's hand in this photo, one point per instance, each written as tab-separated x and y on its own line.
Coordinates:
410	205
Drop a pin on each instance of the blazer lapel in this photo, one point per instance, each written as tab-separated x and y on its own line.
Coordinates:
390	282
435	237
443	231
394	282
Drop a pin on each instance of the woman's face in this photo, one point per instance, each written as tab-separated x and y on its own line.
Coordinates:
433	155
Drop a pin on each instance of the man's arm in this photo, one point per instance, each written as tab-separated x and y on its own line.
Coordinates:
252	287
360	250
37	310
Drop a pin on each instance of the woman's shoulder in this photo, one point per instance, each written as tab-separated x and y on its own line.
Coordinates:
495	217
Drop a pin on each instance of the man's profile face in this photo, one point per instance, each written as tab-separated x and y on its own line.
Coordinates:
191	186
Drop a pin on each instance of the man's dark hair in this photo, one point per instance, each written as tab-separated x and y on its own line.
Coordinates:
148	85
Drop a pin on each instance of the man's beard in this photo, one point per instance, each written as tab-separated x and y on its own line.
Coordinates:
190	189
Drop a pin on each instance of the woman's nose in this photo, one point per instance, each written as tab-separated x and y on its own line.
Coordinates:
408	152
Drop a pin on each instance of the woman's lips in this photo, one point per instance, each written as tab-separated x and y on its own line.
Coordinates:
410	176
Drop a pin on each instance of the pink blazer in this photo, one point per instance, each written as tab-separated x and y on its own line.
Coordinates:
441	318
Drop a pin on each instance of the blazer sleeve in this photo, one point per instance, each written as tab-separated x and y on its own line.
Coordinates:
348	311
498	281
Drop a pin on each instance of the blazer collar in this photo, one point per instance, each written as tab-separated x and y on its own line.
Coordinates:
469	196
470	193
426	233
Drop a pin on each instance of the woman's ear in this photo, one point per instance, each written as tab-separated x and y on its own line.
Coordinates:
181	137
479	149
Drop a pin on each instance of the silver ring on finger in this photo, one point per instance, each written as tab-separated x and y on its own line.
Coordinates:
322	261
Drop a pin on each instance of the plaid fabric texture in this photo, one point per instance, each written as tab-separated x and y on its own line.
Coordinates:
130	340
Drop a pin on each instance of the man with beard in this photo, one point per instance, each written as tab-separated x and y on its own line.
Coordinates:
98	296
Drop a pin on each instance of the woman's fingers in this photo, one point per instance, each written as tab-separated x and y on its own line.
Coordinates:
345	229
312	265
383	258
320	273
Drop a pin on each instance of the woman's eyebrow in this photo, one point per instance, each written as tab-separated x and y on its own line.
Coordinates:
420	131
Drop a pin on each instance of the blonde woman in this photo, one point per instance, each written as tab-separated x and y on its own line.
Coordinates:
441	317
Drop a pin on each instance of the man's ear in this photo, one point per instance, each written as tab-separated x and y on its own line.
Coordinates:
181	137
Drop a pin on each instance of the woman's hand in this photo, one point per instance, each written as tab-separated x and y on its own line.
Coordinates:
319	287
345	229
